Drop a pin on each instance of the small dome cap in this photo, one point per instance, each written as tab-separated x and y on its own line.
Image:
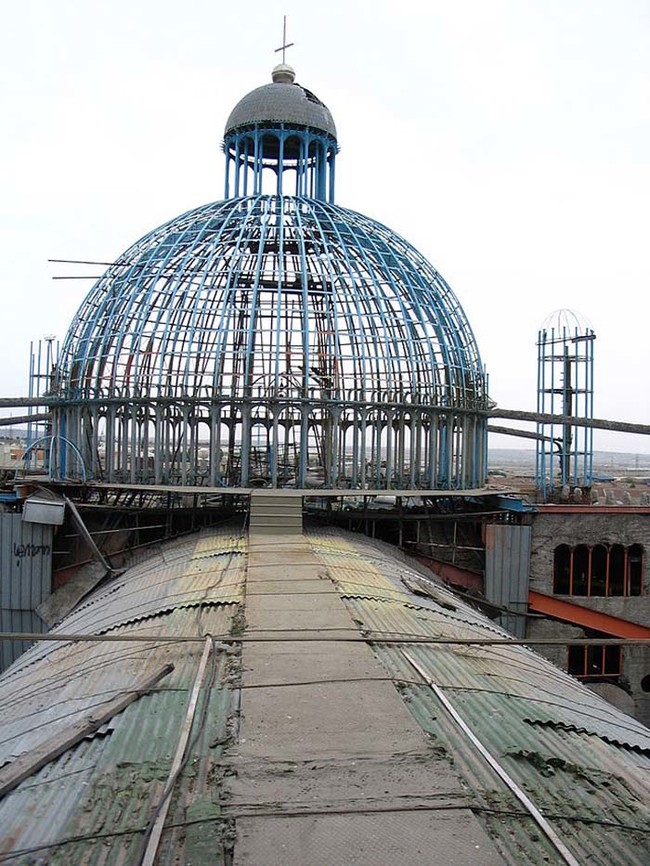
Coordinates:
283	74
283	101
567	320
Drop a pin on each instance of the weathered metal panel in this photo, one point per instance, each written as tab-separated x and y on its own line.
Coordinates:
25	580
46	511
91	804
585	763
507	565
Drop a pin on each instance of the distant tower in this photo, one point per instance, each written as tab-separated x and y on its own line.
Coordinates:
565	386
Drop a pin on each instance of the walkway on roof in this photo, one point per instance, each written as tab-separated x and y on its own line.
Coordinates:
326	737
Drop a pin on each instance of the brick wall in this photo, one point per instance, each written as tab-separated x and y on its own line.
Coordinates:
590	528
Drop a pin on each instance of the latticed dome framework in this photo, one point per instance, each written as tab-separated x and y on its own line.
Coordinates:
274	340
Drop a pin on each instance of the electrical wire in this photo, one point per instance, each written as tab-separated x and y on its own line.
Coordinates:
314	634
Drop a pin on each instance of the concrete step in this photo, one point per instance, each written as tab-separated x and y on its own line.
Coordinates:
276	503
275	514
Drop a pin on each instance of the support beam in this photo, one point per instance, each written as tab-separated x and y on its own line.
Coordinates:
513	414
570	420
24	419
585	617
18	402
512	431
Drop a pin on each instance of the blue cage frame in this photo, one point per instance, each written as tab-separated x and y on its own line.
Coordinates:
273	339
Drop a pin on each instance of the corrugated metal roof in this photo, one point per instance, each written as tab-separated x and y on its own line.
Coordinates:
583	762
178	577
507	565
101	791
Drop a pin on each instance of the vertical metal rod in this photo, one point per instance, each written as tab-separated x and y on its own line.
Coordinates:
363	454
154	840
505	777
590	377
432	446
389	449
30	429
245	170
135	451
275	447
237	166
453	549
552	410
280	176
257	173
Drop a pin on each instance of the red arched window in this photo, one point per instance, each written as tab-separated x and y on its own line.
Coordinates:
600	570
562	570
635	570
581	566
595	662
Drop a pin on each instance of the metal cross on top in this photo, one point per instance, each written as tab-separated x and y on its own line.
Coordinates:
285	44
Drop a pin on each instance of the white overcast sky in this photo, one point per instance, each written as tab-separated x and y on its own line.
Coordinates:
508	140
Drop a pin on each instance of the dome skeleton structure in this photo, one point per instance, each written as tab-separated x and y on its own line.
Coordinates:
273	338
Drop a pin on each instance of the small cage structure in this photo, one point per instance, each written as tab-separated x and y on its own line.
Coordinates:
565	387
273	339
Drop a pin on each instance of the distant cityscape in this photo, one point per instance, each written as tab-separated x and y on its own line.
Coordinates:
513	463
607	464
